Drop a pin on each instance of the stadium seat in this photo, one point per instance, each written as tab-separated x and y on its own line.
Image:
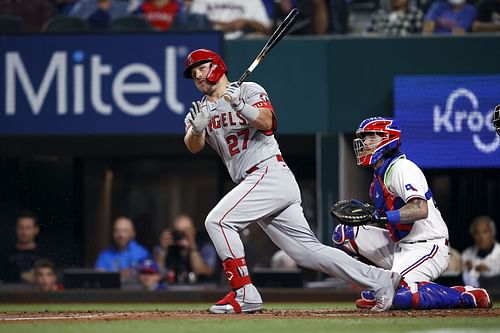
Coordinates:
67	24
130	24
10	24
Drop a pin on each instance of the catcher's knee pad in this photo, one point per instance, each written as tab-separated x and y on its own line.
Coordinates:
342	233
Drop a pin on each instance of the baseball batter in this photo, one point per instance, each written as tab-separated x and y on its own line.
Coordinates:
241	131
415	241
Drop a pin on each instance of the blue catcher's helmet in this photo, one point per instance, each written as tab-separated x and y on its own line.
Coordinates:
386	136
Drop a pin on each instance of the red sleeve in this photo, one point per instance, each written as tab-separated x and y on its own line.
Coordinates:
266	104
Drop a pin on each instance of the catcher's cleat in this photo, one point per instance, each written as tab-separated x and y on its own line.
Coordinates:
385	296
367	300
478	296
244	300
482	298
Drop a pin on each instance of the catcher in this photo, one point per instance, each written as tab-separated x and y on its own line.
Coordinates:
404	230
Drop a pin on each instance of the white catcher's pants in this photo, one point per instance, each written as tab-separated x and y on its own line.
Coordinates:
418	262
270	197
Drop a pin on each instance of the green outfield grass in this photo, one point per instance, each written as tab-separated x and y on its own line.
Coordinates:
245	323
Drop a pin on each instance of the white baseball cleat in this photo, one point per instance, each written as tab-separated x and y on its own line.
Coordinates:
385	296
244	300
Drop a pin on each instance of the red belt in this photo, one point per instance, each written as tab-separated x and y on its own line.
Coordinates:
279	158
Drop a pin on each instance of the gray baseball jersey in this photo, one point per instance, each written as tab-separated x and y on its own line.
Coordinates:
240	145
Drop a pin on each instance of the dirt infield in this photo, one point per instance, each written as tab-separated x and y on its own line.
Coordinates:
10	317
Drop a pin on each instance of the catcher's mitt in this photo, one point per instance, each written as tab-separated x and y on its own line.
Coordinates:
353	212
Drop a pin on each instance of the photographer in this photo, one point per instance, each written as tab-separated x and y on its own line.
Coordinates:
182	257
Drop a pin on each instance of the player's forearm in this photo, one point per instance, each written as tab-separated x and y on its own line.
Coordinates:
264	121
261	119
414	210
194	143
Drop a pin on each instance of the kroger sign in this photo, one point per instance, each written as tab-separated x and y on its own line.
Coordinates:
447	120
97	84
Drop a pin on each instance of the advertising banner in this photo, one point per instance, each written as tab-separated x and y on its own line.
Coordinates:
446	121
97	84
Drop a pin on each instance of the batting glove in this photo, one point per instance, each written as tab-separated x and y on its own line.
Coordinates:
197	119
233	91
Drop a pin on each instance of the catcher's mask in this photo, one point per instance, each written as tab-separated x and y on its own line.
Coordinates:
374	137
496	118
201	56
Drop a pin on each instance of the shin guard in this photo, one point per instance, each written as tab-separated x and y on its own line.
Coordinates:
428	296
436	296
236	272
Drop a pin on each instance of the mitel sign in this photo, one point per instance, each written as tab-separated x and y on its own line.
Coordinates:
97	84
447	120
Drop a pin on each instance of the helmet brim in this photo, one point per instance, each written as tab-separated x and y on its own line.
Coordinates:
187	71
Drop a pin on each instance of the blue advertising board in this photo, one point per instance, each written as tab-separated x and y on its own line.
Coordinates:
446	121
97	84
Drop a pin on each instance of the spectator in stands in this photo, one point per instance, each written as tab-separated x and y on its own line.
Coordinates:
401	20
45	276
234	17
150	277
160	14
186	20
34	13
488	16
482	259
339	16
18	261
119	8
317	11
184	257
277	10
63	6
125	254
452	16
313	18
283	7
101	18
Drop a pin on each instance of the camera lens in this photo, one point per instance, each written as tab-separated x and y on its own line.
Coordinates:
178	235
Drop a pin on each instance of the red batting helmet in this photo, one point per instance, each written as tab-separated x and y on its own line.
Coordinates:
200	56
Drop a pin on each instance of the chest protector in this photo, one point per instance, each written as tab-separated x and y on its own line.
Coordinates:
385	201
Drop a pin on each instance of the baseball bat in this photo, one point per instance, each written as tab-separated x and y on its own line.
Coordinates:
277	35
